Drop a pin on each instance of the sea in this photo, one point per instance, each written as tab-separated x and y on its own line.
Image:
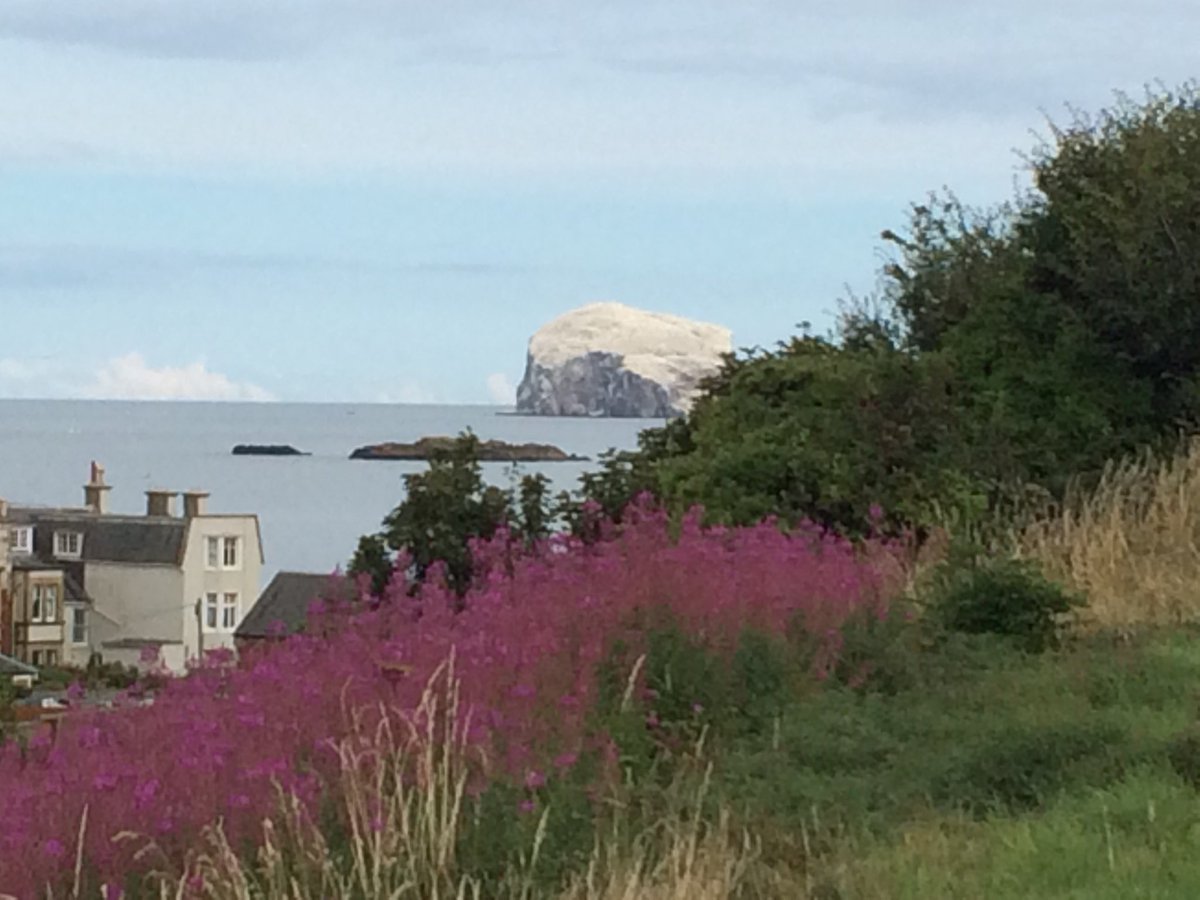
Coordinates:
312	509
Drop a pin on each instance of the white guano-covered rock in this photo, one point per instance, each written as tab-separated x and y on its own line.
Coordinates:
608	359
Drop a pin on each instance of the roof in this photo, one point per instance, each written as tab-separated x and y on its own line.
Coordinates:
108	538
74	590
139	643
10	666
283	606
71	570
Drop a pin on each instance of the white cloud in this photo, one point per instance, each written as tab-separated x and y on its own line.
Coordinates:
130	377
501	389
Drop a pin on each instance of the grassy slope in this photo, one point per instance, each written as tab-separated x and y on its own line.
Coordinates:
992	774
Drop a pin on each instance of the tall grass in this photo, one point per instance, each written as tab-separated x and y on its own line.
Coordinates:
400	817
1131	544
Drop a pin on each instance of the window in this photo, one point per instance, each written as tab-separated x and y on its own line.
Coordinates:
231	553
67	543
78	625
35	658
43	603
214	553
229	612
20	539
52	657
210	612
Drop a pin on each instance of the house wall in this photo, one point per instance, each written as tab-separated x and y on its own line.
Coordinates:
134	601
76	654
201	580
174	657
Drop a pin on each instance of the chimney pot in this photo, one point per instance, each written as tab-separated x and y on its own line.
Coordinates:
160	503
194	503
95	492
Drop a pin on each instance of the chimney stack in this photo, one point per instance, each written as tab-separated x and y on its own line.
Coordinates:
95	492
160	503
195	503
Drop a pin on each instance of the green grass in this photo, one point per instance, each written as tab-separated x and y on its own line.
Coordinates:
991	774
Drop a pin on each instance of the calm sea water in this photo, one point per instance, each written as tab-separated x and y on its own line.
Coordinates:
312	508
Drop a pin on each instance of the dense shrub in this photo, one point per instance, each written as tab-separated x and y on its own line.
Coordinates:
1011	347
1001	596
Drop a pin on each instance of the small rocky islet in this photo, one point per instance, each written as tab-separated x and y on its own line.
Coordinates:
486	451
268	450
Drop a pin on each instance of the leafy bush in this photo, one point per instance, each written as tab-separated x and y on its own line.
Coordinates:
1001	596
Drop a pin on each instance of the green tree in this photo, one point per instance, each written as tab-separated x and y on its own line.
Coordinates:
444	508
1007	351
373	559
815	431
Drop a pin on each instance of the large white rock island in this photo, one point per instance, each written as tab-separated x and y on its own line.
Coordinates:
608	359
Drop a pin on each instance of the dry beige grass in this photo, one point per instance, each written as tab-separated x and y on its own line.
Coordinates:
1131	544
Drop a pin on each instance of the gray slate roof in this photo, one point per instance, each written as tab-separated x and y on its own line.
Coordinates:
283	606
108	538
10	666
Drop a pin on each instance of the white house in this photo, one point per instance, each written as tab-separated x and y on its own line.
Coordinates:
165	584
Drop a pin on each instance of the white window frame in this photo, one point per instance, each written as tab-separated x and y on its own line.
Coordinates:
212	615
231	549
68	544
50	603
212	553
78	623
20	539
229	611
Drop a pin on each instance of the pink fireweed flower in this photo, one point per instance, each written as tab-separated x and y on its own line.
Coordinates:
145	793
529	645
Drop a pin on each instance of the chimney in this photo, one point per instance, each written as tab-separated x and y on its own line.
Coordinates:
194	503
95	492
160	503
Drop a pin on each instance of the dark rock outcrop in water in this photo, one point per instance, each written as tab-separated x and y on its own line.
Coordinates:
607	359
488	451
267	450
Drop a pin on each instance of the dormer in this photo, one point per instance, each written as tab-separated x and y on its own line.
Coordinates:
20	539
68	544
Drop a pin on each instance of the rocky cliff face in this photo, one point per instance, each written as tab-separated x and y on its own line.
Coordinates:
608	359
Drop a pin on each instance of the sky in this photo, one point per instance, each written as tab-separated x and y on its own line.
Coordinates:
381	200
